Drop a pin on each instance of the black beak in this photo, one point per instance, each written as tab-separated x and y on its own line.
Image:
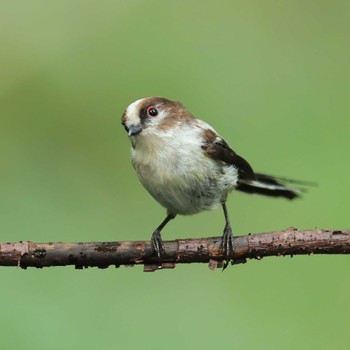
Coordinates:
133	130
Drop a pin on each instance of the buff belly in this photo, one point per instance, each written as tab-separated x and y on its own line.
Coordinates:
188	190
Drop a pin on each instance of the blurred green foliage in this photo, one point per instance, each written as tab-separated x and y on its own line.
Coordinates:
271	76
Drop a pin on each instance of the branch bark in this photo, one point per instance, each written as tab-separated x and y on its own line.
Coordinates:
202	250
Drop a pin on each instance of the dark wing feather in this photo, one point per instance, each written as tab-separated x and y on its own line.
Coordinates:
218	149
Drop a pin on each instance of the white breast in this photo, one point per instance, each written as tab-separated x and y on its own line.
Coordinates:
174	169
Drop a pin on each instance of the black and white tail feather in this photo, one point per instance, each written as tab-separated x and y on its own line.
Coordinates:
271	186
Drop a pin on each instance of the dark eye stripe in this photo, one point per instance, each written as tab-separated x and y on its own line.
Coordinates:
143	114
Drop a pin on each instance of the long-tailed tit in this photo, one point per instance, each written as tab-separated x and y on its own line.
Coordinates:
187	166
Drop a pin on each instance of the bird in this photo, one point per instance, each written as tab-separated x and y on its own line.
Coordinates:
187	167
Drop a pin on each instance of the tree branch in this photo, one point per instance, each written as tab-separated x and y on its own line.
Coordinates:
202	250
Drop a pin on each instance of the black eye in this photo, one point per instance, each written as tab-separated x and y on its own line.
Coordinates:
152	111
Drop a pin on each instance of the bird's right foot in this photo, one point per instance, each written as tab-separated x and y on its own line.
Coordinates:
157	244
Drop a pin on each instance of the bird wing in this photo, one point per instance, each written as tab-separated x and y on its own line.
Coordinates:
217	148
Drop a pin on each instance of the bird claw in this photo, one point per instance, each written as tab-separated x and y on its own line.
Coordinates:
227	245
157	244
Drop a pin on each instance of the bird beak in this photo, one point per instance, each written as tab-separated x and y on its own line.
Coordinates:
133	130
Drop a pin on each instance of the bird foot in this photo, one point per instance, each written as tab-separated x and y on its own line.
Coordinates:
227	245
157	244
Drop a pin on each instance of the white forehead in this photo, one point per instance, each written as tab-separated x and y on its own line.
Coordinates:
134	108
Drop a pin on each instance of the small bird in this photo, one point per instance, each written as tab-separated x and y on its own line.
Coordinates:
187	166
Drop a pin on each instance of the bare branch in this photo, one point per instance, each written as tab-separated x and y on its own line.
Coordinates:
202	250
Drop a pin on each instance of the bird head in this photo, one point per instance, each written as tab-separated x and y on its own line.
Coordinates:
151	115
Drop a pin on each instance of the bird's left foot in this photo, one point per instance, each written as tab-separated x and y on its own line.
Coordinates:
227	245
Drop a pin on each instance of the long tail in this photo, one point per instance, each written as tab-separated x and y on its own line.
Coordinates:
272	186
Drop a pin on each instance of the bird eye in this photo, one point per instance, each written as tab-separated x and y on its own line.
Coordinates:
152	111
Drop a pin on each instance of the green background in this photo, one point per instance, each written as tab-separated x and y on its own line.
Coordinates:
271	76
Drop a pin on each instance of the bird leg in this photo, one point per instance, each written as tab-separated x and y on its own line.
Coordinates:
227	237
156	240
